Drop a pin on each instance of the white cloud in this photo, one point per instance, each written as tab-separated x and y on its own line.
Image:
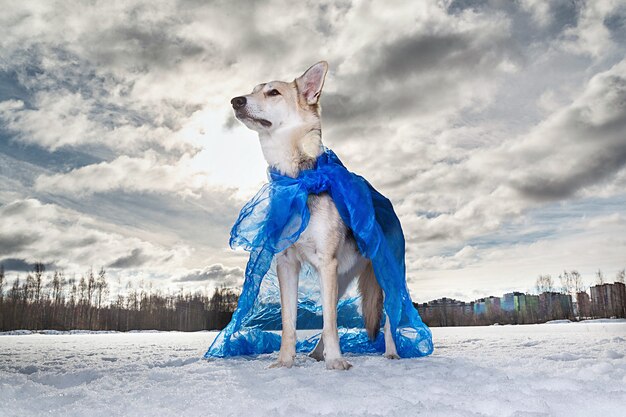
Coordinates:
586	246
539	9
147	174
37	232
591	35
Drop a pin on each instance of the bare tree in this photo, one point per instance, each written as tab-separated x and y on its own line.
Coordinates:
2	282
571	283
56	287
91	286
82	290
599	277
73	290
14	292
567	282
41	302
544	283
579	285
620	277
38	278
28	288
102	287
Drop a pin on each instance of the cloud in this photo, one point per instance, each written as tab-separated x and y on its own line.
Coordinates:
577	151
216	273
36	232
136	259
20	265
61	118
497	268
578	146
15	242
436	67
147	174
591	35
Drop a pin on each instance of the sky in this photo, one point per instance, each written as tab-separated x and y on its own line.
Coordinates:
497	128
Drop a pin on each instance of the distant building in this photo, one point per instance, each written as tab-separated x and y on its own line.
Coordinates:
480	307
507	303
492	305
583	303
531	314
446	312
555	306
468	308
521	308
608	300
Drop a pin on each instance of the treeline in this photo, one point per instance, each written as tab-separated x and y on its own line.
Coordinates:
54	301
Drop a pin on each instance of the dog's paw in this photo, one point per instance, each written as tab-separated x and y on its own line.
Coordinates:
392	355
339	363
282	363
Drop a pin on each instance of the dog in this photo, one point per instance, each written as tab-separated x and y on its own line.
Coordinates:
286	115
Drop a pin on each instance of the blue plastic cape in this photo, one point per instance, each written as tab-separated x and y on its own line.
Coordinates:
273	220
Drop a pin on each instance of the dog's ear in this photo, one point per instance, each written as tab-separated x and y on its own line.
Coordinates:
311	82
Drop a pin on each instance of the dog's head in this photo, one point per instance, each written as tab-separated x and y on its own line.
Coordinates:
278	105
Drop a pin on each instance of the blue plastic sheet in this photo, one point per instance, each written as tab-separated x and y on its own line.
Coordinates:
273	220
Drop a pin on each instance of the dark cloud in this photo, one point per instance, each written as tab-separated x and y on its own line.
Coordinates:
327	15
588	142
563	14
22	265
615	22
72	240
416	54
136	259
146	46
11	243
456	6
555	188
11	88
217	273
418	74
56	161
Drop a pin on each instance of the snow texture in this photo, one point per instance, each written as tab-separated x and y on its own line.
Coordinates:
559	369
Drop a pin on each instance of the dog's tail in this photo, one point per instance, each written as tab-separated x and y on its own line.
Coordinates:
372	301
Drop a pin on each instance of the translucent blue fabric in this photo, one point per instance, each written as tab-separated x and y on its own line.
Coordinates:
273	220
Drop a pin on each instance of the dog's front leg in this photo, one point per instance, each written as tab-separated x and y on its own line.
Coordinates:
329	284
288	270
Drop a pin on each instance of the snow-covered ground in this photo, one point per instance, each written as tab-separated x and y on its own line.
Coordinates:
558	369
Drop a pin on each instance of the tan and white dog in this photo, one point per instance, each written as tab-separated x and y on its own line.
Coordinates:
286	116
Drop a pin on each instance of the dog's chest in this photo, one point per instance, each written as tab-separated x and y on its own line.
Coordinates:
326	236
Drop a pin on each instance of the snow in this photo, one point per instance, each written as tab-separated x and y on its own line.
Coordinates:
560	369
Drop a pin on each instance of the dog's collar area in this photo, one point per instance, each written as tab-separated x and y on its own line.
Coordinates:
327	157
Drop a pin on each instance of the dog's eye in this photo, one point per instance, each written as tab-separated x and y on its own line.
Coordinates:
273	92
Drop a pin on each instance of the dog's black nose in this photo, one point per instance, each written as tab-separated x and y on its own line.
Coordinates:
238	102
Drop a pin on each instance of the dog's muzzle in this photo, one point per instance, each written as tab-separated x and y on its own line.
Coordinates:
238	102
